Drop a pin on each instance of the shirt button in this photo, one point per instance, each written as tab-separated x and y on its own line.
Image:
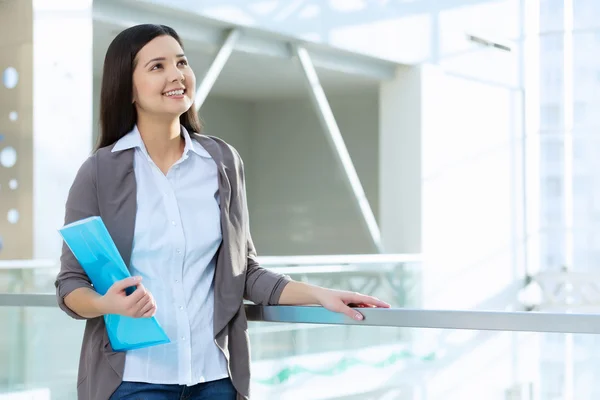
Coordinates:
181	307
183	338
173	223
178	251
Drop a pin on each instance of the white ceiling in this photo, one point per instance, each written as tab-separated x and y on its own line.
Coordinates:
247	76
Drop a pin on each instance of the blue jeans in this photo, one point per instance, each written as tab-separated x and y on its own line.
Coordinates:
221	389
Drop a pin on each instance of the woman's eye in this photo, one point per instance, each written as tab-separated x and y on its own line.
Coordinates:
183	62
156	66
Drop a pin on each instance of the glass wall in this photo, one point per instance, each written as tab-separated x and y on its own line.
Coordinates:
569	79
569	209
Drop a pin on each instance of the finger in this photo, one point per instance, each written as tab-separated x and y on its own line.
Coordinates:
147	298
369	301
148	307
137	296
123	284
152	311
143	305
352	313
360	305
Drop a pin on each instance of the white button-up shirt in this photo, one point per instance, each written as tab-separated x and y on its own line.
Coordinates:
177	235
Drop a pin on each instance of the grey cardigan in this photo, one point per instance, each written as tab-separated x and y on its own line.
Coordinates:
105	186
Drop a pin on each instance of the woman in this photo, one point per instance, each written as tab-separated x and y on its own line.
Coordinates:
174	202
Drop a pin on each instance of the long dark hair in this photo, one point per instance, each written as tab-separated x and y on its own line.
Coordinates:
117	113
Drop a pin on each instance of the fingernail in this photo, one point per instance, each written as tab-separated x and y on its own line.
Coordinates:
137	278
358	317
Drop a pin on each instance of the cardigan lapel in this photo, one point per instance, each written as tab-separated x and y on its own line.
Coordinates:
117	189
224	185
231	258
117	197
120	196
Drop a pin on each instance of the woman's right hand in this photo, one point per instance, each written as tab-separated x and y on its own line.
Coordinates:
139	304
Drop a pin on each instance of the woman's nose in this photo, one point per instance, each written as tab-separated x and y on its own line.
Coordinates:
177	75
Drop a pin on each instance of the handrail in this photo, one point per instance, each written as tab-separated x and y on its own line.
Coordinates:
395	317
360	261
438	319
28	300
27	264
339	259
334	269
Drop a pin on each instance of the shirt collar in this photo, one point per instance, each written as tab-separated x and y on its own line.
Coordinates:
133	139
193	145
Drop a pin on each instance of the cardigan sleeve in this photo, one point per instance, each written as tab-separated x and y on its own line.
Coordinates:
263	287
82	202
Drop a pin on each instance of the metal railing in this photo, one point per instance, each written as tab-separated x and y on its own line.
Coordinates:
318	261
386	267
393	317
11	265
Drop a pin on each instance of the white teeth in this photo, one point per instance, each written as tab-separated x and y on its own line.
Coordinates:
178	92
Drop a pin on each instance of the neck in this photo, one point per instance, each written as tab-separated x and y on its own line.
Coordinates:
162	138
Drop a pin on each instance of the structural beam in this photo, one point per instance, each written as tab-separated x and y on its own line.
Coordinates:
208	32
328	122
216	67
568	78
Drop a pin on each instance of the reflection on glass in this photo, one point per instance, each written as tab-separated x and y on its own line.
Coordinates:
10	77
8	157
13	216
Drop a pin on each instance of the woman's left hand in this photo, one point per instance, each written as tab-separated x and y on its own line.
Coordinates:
338	301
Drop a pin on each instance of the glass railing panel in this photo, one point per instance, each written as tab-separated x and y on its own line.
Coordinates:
393	277
39	353
28	276
39	350
430	364
283	340
436	364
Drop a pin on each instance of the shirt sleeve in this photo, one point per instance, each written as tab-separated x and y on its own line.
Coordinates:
82	202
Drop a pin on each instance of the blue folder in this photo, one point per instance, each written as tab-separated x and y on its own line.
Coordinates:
95	250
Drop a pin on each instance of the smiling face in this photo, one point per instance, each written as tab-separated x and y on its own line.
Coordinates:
163	82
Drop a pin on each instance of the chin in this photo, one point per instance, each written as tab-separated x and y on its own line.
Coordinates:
178	110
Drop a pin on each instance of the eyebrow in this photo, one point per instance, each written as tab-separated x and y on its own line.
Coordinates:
163	59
